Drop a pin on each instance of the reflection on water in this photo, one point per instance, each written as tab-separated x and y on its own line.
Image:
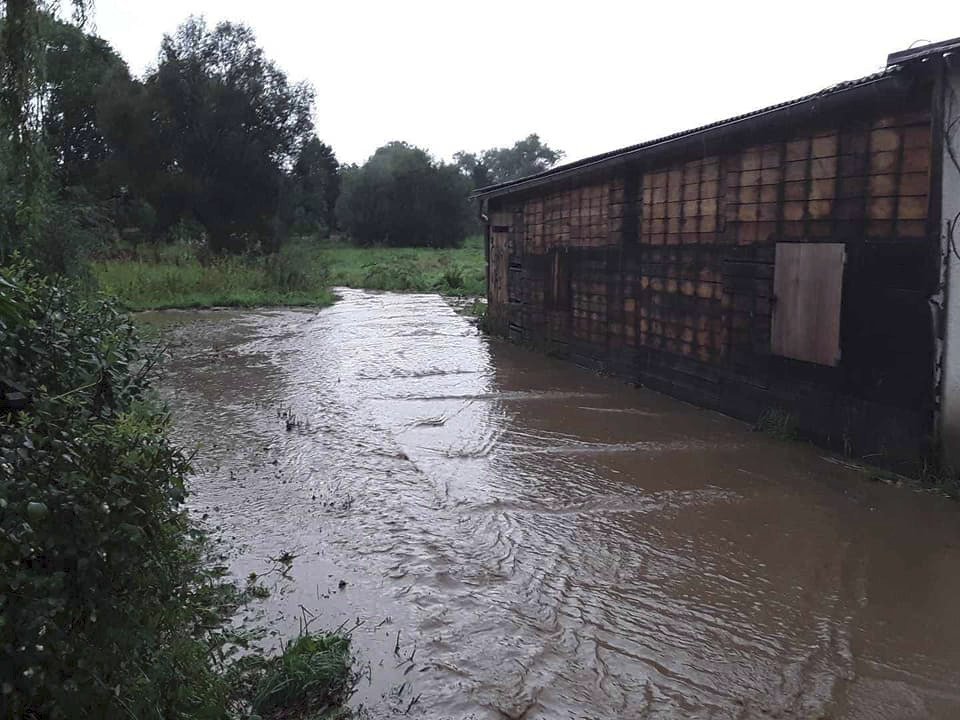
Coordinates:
549	543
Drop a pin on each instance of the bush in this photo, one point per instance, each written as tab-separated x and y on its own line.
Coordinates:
293	270
110	604
95	565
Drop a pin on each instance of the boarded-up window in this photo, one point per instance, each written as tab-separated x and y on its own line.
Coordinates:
807	285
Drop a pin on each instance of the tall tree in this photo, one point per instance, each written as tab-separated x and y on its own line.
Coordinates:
314	187
78	68
212	134
401	196
24	198
473	166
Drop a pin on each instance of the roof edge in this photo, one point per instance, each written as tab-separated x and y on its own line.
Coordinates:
923	51
722	127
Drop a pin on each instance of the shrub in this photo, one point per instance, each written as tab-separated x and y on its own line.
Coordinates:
293	269
96	565
111	603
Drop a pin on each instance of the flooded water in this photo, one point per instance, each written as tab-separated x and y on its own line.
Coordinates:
520	538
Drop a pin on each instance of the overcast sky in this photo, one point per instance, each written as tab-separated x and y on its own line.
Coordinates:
588	76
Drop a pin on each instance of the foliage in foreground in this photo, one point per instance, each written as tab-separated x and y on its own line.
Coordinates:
110	603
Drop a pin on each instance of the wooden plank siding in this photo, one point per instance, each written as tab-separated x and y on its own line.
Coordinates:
664	273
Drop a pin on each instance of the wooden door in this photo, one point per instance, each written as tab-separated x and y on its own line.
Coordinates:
500	226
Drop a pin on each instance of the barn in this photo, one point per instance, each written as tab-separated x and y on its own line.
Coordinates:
794	263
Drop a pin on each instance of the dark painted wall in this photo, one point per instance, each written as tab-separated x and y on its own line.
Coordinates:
661	272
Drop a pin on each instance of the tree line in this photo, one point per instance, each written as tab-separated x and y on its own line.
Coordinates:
216	142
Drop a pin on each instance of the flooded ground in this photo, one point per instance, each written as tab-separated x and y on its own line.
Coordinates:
523	539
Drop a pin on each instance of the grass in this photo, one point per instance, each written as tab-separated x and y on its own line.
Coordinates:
778	424
154	277
458	271
939	475
311	678
180	276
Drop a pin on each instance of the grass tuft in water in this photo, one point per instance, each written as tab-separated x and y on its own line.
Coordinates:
311	678
778	424
937	474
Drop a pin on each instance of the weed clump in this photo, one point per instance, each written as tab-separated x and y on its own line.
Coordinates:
312	674
778	424
940	475
453	278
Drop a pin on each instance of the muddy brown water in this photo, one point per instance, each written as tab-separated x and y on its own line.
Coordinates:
548	543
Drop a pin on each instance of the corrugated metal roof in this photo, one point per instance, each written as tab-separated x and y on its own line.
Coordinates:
590	162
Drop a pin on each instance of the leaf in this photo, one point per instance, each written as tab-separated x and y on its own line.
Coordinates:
37	510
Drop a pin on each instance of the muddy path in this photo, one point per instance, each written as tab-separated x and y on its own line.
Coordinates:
523	539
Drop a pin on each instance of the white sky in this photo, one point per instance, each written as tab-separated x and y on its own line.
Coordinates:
588	76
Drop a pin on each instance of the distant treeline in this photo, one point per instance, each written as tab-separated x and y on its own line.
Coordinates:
215	143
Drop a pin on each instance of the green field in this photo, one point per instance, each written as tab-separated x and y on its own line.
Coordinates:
152	277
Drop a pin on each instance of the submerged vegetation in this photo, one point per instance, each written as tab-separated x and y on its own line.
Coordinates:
113	604
778	424
185	275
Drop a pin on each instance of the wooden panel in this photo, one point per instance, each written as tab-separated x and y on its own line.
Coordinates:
557	290
808	283
501	221
499	266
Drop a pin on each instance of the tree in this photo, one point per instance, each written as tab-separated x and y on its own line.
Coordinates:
496	165
401	196
23	161
77	67
314	188
212	134
474	167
